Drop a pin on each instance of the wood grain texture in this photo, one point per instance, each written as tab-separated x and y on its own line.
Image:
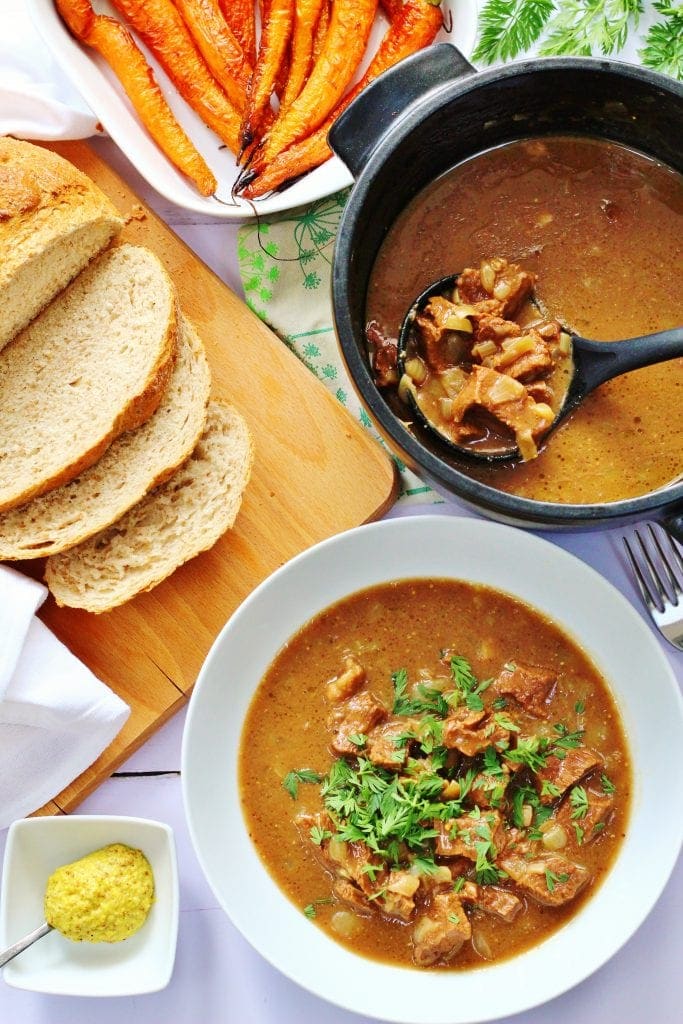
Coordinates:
150	650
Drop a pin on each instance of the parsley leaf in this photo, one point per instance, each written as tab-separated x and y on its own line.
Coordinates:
508	27
309	909
663	48
358	739
292	779
319	835
578	798
551	879
608	786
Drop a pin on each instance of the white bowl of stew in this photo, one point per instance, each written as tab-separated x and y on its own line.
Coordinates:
570	168
556	602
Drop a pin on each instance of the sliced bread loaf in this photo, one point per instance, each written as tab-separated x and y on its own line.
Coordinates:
94	364
134	464
53	220
172	524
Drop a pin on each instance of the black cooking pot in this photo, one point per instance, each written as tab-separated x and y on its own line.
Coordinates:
417	121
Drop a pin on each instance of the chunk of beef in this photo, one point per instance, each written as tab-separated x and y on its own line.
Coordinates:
531	687
350	894
566	772
600	808
348	682
356	716
500	902
549	878
508	402
398	899
495	328
460	732
497	279
383	747
524	358
458	836
384	355
441	933
439	326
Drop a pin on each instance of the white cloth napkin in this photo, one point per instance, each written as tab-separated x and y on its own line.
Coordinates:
37	101
56	718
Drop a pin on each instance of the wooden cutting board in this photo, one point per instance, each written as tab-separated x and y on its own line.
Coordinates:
150	650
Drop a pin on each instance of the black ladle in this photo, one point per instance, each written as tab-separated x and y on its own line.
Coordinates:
594	363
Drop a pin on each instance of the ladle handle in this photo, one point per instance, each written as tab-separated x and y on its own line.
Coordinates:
601	361
372	115
19	947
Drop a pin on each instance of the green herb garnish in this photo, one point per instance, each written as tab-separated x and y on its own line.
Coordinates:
292	779
578	798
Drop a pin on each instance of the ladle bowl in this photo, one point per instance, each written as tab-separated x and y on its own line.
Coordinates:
592	363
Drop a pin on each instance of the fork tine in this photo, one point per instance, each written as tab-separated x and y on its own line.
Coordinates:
645	592
655	577
675	550
671	576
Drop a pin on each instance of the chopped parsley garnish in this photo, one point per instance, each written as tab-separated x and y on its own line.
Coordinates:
358	739
458	883
551	879
550	789
309	909
319	835
608	786
292	779
579	833
429	699
565	740
466	683
499	704
505	722
578	798
598	826
579	707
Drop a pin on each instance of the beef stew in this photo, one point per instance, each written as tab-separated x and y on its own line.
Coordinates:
435	773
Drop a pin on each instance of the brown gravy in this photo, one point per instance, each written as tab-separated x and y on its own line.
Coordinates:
405	624
601	225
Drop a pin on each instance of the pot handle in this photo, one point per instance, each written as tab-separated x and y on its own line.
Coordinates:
371	116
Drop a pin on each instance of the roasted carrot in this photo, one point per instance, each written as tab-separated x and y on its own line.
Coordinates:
278	19
344	46
218	46
239	15
115	44
163	31
321	29
414	25
306	17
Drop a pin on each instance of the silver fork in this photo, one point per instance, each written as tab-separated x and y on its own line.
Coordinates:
658	568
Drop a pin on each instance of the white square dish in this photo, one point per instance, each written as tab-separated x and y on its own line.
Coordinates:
56	965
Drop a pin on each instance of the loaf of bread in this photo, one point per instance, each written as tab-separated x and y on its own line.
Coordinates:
53	221
183	517
91	366
134	464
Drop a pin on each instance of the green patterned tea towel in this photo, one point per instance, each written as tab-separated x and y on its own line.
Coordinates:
285	266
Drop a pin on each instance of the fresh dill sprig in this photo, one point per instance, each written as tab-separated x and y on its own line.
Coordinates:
663	49
509	27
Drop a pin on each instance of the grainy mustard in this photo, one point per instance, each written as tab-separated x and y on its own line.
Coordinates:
104	897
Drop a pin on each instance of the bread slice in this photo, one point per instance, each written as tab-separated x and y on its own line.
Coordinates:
94	364
53	220
134	464
172	524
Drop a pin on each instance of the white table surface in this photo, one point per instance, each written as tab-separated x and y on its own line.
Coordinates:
218	978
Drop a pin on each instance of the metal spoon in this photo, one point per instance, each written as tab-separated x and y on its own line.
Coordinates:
22	944
593	363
